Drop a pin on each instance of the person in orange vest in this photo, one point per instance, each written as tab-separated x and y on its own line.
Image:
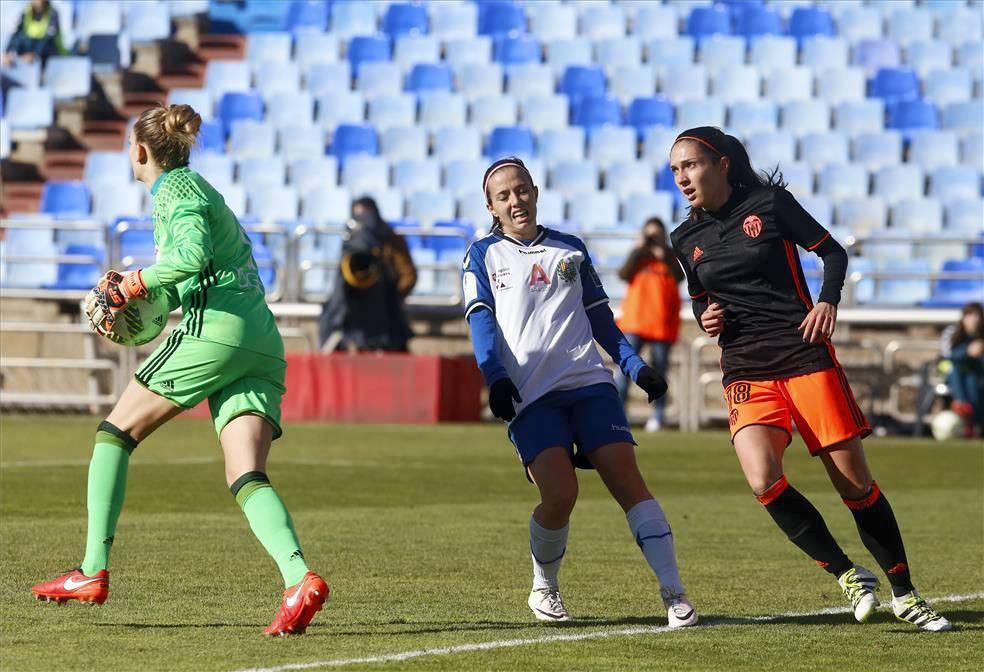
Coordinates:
651	307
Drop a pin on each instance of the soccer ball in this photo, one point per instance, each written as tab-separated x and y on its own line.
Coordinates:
946	425
140	321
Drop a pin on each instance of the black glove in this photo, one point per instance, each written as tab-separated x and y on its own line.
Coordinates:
652	383
501	397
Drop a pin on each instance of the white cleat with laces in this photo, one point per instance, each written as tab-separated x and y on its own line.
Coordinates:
546	605
680	612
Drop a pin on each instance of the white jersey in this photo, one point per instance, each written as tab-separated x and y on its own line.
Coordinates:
539	294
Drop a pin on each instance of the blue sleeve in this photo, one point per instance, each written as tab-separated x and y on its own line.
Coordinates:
611	338
475	282
483	336
593	294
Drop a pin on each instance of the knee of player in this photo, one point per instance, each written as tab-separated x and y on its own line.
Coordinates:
562	499
108	433
767	486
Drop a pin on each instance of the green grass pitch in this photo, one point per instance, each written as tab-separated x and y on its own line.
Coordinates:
422	534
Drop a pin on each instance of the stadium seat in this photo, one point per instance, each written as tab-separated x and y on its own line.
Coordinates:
671	51
950	85
379	79
211	137
29	274
501	18
955	182
894	183
512	51
410	50
550	22
622	52
627	83
429	207
956	292
440	109
972	149
510	141
199	99
961	27
638	207
924	57
703	22
110	201
602	21
877	150
453	21
733	83
403	142
655	21
907	25
328	78
894	85
464	176
261	174
528	80
860	116
390	111
216	168
823	52
405	19
302	140
307	17
918	216
807	22
562	144
861	215
877	54
719	51
457	143
788	84
252	139
365	173
326	205
611	143
234	107
756	21
349	19
22	73
351	140
541	113
226	76
770	52
367	49
903	290
572	177
798	177
843	181
80	275
822	149
550	208
911	116
625	177
68	76
65	198
581	81
148	21
593	112
644	113
346	107
458	53
965	216
427	77
489	112
841	85
290	109
753	116
306	173
594	210
859	23
480	80
472	208
272	47
29	109
766	150
107	167
800	117
932	149
273	78
680	84
102	17
706	112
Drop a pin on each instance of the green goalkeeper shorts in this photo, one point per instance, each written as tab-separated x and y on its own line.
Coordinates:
186	370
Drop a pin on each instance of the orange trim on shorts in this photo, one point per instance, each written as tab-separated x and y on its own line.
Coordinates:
866	502
818	243
774	491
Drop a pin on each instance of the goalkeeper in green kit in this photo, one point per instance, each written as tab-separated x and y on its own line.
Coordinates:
227	349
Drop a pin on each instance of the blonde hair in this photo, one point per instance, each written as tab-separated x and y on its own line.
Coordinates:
169	131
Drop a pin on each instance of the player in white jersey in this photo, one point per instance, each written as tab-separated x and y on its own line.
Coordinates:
535	306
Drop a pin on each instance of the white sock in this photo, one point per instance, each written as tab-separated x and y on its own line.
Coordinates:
547	547
652	533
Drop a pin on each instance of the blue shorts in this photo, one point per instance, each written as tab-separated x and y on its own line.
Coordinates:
579	420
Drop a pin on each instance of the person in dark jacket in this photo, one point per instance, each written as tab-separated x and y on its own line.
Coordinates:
38	34
963	349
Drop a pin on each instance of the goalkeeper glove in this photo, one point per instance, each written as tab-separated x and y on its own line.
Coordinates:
652	383
110	296
501	397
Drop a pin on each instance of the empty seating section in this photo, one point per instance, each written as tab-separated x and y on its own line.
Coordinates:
872	112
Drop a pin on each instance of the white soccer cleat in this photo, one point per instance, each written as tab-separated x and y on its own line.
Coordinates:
913	609
546	605
680	612
859	585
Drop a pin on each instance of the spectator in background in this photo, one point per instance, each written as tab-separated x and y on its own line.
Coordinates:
651	307
38	34
365	310
963	348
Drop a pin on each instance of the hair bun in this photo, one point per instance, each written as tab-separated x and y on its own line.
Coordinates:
181	120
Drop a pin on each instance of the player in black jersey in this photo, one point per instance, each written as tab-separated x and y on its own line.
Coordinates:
738	249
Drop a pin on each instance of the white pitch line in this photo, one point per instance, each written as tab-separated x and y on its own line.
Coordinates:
573	637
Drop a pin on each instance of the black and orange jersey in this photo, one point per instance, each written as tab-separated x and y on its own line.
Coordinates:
744	257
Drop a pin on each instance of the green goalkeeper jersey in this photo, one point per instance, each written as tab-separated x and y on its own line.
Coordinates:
205	263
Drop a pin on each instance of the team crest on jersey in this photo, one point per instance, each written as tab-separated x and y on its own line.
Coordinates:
752	226
500	279
567	270
698	253
539	280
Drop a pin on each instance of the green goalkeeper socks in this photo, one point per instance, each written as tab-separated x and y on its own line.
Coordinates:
106	490
271	523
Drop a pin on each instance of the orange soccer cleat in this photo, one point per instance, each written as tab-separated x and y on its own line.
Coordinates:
300	604
75	586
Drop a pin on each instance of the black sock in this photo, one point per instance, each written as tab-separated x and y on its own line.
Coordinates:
803	524
881	536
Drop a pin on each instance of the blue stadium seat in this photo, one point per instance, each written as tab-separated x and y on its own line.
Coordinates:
111	167
580	81
301	140
517	50
510	141
562	144
966	216
912	115
328	204
489	112
22	73
291	109
734	83
840	85
822	52
452	21
480	80
756	21
703	112
706	21
956	292
610	143
843	181
910	24
380	79
671	51
102	17
405	19
458	143
306	174
440	109
268	48
593	112
602	21
313	47
788	84
949	85
749	117
918	216
629	82
897	182
224	76
458	53
767	150
328	78
550	207
421	174
550	21
273	203
856	23
877	150
350	140
861	215
562	54
364	173
875	54
931	149
655	21
822	149
594	210
251	139
972	148
684	83
799	178
428	207
860	116
464	176
629	177
365	49
307	16
961	27
955	182
238	107
80	275
110	201
68	76
214	167
65	198
148	21
501	18
644	113
349	19
211	137
924	57
719	51
800	117
274	78
425	77
407	142
571	177
529	80
412	49
657	143
199	99
963	116
806	22
894	85
638	207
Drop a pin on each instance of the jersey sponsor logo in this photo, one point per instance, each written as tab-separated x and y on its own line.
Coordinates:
567	270
752	226
698	253
470	286
500	279
524	250
539	280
